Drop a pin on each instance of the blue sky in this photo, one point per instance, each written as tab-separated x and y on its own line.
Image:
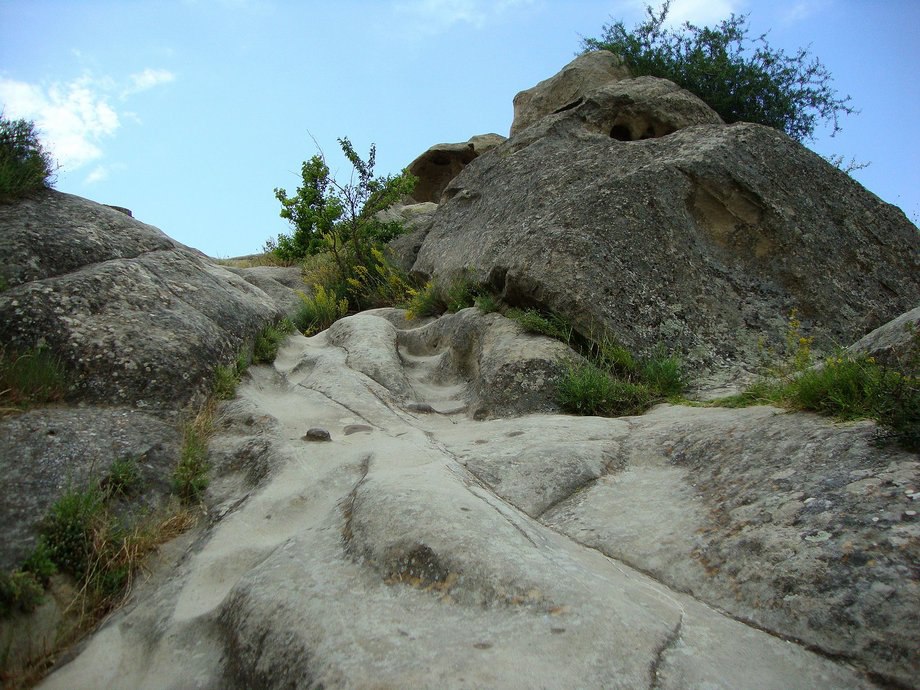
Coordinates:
191	112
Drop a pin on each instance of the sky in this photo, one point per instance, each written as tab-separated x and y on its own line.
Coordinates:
191	112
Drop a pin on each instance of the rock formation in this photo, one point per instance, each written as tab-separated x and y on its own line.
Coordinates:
400	503
634	211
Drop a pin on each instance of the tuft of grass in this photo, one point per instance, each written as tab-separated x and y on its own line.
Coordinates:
663	373
190	477
123	478
30	378
588	389
487	303
320	310
534	321
267	342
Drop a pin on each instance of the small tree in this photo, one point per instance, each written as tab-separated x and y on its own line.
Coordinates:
763	85
24	164
339	218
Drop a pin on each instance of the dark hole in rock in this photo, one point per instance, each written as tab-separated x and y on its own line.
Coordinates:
569	106
621	133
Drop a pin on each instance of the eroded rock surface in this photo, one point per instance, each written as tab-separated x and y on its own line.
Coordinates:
137	318
433	550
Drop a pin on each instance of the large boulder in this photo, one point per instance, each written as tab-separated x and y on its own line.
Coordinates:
703	239
584	74
137	318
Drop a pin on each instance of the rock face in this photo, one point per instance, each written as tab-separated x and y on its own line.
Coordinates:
584	74
135	316
441	163
430	550
703	239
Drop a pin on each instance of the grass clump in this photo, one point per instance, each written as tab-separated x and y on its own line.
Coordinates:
434	298
589	389
30	378
269	339
190	478
319	310
539	323
20	591
847	386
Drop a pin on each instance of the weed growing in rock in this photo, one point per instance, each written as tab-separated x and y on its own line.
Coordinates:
743	80
427	301
588	389
487	303
434	298
190	477
123	478
846	385
319	310
25	166
265	347
539	323
30	378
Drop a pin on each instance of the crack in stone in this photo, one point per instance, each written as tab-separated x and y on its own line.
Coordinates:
672	639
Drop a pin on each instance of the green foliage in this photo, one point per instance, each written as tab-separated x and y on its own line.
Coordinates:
123	478
427	301
190	477
25	166
320	310
30	378
742	79
68	529
269	339
226	379
535	321
377	282
487	303
40	562
663	373
588	389
846	386
19	591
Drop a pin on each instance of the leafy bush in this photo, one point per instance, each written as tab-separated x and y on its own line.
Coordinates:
19	591
68	529
30	378
25	166
320	310
742	79
427	301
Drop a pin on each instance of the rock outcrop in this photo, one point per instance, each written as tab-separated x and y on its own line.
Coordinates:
685	548
702	237
136	317
441	163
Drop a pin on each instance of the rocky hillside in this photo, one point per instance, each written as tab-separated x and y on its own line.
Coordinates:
400	503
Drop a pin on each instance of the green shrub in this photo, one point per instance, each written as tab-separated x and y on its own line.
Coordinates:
461	294
25	166
743	80
534	321
19	591
427	301
40	562
587	389
226	379
320	310
30	378
67	529
123	478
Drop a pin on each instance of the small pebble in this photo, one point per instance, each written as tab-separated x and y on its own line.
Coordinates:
317	434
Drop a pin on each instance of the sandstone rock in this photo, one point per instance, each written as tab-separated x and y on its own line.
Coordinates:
44	452
386	559
137	318
281	283
895	343
441	163
702	239
584	74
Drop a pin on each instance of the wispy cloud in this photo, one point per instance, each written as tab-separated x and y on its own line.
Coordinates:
432	16
148	79
698	12
75	117
803	9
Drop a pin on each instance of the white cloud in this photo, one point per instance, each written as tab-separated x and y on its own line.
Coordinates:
432	16
98	174
73	118
149	78
702	12
803	9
